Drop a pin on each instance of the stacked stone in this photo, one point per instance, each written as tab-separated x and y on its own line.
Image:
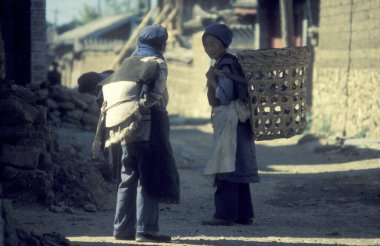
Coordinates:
13	234
27	169
31	169
68	108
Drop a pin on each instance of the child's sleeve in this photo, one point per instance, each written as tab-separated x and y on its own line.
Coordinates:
225	88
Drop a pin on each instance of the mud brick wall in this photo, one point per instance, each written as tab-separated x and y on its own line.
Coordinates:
72	69
38	41
187	84
91	61
346	72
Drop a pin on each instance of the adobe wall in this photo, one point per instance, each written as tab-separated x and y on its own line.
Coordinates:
88	61
187	84
346	78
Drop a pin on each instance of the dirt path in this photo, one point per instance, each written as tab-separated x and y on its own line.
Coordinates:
328	197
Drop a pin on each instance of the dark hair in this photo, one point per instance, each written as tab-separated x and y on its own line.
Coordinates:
87	82
108	72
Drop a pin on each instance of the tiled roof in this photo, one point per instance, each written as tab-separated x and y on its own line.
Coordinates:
96	28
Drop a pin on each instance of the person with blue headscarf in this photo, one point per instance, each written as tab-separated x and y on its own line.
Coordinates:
134	116
233	163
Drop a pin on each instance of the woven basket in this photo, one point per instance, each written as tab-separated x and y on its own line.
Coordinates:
277	90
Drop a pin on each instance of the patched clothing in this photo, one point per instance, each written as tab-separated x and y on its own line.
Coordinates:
149	174
129	94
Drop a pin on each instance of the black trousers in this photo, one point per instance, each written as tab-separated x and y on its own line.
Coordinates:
233	201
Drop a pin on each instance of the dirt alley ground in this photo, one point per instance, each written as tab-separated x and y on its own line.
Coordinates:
306	197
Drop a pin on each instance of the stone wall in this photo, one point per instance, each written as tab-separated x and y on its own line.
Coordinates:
34	166
26	167
346	77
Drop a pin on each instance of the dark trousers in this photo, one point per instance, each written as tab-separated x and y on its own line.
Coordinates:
232	201
136	211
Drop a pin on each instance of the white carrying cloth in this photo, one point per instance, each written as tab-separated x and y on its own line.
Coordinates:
224	120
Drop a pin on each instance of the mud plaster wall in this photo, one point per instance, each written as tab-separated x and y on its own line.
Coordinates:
187	84
88	61
346	71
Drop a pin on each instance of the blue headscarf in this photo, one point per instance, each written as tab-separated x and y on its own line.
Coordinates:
149	39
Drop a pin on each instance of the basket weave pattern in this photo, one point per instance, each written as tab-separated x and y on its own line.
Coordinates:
277	90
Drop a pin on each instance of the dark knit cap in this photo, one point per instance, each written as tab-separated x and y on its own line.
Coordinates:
219	31
155	35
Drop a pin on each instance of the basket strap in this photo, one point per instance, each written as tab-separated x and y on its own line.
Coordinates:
237	78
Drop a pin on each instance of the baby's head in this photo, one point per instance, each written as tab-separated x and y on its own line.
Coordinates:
87	82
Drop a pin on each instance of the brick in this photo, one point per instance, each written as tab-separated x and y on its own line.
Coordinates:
353	47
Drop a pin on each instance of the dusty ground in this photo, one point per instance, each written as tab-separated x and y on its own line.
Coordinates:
306	197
